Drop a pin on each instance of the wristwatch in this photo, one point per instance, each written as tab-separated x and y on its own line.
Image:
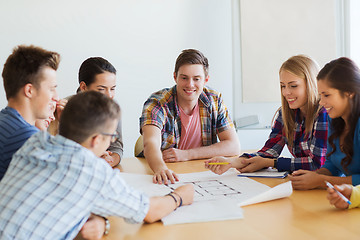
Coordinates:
275	164
107	226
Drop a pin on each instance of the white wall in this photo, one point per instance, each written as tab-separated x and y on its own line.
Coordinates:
355	31
272	31
141	38
268	33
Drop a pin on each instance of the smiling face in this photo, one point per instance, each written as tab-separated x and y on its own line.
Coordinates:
336	103
45	96
190	81
293	89
104	83
43	124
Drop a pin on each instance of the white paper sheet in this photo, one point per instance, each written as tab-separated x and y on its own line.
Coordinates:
215	199
205	211
280	191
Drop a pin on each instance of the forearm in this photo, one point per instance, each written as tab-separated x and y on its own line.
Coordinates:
153	156
324	171
117	147
159	208
292	164
272	149
222	148
327	176
336	180
235	162
275	143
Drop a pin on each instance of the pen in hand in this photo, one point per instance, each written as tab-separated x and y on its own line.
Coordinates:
339	193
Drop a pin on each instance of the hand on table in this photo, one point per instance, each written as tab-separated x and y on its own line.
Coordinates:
218	169
305	180
255	163
94	228
164	175
174	155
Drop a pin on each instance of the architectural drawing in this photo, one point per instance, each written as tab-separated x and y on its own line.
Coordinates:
209	190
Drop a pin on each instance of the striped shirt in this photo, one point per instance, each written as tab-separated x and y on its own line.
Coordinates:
53	184
308	150
14	131
161	109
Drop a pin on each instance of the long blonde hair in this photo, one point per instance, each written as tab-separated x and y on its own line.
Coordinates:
306	68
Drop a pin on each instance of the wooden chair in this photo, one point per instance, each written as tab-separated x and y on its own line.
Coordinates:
139	147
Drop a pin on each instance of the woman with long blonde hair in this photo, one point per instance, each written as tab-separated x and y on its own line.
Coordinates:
301	124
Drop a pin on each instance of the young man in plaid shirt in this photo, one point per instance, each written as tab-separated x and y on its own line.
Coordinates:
183	122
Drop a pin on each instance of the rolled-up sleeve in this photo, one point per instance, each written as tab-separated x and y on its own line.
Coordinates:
119	199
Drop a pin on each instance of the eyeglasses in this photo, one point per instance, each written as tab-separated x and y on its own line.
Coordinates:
114	136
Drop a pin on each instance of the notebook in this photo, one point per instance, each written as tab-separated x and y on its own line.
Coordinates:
265	173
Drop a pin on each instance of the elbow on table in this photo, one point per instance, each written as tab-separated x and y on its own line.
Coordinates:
151	218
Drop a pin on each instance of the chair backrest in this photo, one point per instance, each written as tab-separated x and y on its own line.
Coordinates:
139	147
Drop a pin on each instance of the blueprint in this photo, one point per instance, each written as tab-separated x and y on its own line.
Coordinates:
216	197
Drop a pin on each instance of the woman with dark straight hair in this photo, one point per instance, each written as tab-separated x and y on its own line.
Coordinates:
91	73
339	88
98	74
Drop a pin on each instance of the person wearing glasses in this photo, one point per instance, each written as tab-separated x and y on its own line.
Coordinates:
95	74
98	74
60	180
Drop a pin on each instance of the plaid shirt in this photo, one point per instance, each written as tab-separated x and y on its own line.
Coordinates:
161	109
309	151
53	184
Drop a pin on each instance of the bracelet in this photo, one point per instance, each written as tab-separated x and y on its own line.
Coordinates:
107	226
171	195
181	202
275	164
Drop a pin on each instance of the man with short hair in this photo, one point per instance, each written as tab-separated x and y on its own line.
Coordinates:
183	122
54	183
29	76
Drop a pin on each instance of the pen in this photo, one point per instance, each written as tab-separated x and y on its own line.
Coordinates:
339	193
219	163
